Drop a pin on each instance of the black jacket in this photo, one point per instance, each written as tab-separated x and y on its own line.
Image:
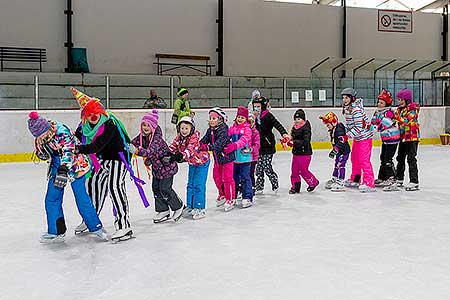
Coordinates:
337	135
267	138
301	139
218	138
106	146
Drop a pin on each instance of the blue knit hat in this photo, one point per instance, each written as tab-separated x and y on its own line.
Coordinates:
37	124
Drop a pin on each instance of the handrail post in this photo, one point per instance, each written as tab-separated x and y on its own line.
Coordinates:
284	92
107	86
230	92
36	91
171	91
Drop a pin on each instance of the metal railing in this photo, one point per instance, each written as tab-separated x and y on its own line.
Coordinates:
118	91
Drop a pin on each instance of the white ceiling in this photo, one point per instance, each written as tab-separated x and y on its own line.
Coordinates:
382	4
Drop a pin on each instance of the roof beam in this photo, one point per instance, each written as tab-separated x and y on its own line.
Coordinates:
433	5
327	2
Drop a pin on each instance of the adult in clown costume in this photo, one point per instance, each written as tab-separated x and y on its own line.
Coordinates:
104	139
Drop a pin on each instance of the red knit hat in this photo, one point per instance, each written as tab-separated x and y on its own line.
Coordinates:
242	111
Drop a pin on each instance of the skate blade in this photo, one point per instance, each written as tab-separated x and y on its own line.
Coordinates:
411	189
228	208
161	220
80	233
122	238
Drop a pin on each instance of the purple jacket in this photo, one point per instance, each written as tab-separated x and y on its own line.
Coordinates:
155	150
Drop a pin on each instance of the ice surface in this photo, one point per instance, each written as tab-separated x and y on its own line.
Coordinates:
319	245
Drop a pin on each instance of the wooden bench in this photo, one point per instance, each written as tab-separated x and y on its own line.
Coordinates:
22	55
173	66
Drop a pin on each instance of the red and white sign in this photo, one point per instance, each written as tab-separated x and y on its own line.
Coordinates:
395	21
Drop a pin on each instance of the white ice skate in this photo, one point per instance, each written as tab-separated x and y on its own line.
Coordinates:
48	238
329	183
82	228
366	189
198	213
246	203
220	201
229	205
187	212
101	233
259	192
177	214
410	187
121	235
394	187
338	186
239	202
351	184
161	217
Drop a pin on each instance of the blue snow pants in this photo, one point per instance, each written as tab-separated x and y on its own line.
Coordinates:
54	198
196	187
242	178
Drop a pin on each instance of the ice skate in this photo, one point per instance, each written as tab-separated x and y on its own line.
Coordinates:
229	205
379	183
366	189
121	235
330	183
48	238
161	217
238	201
312	188
338	186
394	187
246	203
220	201
187	212
198	213
177	214
259	192
275	190
82	228
351	184
410	187
101	234
295	189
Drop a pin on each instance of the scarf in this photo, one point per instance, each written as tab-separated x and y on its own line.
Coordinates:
90	132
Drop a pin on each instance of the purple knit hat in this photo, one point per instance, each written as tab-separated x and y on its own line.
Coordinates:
37	124
405	94
151	119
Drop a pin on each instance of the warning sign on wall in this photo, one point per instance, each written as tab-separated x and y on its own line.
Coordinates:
395	21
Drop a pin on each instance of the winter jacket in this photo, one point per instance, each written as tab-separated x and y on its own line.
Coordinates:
255	144
107	145
188	147
155	150
62	145
241	135
265	124
218	138
155	102
181	108
301	139
389	132
408	123
357	123
339	139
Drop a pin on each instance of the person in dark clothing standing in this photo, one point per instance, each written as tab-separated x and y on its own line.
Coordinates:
103	138
302	154
154	101
265	122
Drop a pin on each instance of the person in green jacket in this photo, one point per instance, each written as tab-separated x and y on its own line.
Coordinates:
181	105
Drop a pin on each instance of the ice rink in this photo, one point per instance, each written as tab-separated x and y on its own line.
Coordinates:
320	245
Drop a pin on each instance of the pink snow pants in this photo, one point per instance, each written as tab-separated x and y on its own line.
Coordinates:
361	165
300	168
223	178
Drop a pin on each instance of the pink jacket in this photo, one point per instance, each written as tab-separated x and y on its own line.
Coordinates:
189	148
255	144
241	135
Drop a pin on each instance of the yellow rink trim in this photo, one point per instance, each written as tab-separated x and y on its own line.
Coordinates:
26	157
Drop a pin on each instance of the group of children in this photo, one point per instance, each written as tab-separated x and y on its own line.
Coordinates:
97	158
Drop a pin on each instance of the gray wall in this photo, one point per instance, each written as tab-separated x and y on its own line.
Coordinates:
260	38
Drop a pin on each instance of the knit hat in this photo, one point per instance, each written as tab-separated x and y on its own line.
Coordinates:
151	119
256	94
329	118
300	113
37	124
242	111
182	91
406	95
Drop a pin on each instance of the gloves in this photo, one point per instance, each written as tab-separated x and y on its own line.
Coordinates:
285	141
389	114
290	143
167	160
333	153
230	148
178	157
343	139
132	148
203	147
61	177
246	150
42	155
147	161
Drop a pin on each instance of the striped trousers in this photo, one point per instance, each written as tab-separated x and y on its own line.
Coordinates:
110	179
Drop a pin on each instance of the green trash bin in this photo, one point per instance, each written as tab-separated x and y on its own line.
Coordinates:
79	60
